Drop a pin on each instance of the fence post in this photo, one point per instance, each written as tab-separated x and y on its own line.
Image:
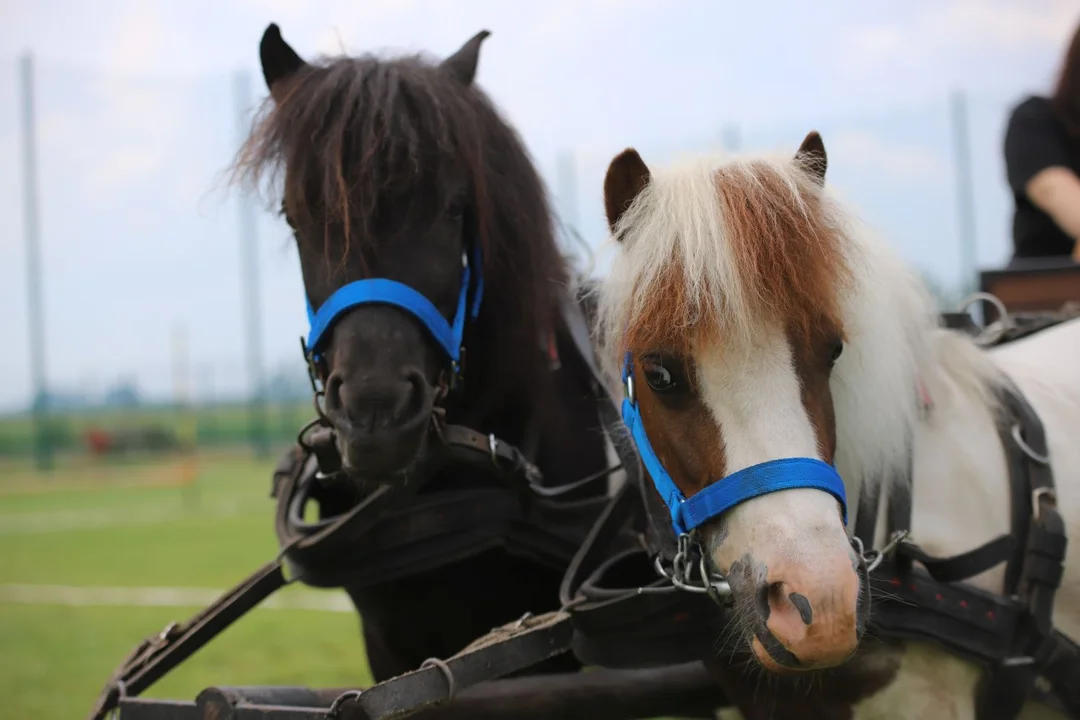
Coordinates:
731	137
965	196
249	269
567	179
43	447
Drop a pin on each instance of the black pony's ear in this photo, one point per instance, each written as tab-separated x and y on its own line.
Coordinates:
812	155
279	61
462	64
627	176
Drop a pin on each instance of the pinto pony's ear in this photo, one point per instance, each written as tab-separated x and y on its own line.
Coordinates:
627	176
462	64
812	155
279	61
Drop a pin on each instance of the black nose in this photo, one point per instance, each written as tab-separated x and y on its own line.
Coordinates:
379	405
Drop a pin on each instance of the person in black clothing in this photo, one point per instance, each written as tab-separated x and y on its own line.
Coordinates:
1042	162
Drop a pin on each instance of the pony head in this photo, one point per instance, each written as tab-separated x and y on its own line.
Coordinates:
727	304
407	192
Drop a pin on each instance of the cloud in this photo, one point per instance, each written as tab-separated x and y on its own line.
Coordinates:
951	25
866	151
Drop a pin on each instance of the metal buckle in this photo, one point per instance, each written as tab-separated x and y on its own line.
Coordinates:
1038	494
1018	661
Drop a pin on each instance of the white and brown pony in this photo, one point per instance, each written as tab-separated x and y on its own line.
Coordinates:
762	322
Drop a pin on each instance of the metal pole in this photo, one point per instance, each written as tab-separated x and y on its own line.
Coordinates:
732	138
249	268
35	309
567	178
965	196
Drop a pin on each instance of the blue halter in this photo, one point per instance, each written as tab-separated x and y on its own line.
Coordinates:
726	493
390	292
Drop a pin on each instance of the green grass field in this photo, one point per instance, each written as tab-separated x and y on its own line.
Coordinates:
132	526
86	529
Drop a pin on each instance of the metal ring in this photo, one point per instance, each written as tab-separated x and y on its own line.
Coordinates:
1018	438
630	388
340	700
493	444
718	591
659	567
447	673
1004	322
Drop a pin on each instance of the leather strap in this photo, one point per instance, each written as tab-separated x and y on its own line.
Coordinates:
1006	688
160	653
1015	640
505	650
659	535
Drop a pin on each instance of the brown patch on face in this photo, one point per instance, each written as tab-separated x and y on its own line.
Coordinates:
683	434
812	357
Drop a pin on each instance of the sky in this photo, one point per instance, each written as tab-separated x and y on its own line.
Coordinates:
139	110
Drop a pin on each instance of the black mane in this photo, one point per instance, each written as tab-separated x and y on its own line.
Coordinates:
356	132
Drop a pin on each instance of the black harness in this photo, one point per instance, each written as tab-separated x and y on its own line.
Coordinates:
1011	635
401	530
633	597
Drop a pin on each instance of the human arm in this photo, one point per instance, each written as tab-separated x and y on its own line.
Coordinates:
1056	191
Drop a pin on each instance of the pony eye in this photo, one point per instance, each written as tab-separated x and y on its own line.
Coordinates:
660	378
838	348
284	212
455	210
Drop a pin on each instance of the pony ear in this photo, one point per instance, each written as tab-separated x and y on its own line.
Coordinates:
279	61
462	64
812	155
627	176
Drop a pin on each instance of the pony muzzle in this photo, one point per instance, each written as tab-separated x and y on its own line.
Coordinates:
809	616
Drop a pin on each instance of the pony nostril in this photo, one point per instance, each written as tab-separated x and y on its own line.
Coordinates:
333	399
415	404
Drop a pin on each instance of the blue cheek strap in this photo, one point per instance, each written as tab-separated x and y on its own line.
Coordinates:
726	493
390	292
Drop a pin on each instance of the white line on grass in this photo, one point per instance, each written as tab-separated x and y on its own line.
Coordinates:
82	596
53	521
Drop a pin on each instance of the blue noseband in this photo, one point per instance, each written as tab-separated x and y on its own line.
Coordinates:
390	292
726	493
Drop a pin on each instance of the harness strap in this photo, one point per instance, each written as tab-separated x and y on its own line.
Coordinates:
1015	637
963	566
1006	688
160	653
507	649
307	546
659	534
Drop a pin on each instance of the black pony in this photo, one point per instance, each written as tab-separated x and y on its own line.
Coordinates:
402	169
